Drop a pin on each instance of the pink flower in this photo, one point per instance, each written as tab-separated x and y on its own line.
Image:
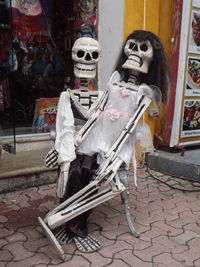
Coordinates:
113	114
124	91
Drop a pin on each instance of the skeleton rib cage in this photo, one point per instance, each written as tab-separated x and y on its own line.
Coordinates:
106	182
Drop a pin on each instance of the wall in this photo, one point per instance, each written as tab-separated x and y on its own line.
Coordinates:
158	19
110	36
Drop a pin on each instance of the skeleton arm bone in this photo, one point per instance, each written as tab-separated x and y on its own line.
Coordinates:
62	182
64	143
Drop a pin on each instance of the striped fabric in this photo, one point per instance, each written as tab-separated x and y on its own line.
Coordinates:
51	159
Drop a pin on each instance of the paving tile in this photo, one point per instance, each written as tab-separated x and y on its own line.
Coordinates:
3	219
30	261
30	232
141	228
194	227
185	218
5	256
148	253
16	237
191	255
195	206
18	251
137	243
159	245
54	258
147	220
96	259
77	260
165	215
41	265
114	248
166	260
130	259
48	205
33	195
197	263
34	245
4	232
7	205
117	263
3	242
22	201
169	245
151	233
167	229
185	237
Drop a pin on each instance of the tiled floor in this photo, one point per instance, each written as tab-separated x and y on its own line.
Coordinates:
168	220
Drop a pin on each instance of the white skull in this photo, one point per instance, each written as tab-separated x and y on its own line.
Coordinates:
86	54
140	55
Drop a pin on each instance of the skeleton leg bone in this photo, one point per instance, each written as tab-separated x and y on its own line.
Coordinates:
69	213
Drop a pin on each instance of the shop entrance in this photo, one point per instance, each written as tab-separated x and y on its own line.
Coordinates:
36	38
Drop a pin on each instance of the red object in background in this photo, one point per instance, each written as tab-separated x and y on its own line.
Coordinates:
174	60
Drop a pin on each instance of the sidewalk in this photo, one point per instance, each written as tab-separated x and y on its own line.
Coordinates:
167	219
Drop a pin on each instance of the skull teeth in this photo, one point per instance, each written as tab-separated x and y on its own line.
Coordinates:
82	69
85	67
136	60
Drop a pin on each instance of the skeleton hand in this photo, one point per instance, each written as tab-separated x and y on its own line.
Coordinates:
63	179
153	112
77	139
152	92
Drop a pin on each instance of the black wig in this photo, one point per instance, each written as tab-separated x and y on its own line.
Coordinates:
158	74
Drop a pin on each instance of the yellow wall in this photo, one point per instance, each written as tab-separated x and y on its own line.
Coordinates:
159	21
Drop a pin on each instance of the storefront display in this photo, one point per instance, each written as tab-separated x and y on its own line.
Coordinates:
45	113
36	58
186	122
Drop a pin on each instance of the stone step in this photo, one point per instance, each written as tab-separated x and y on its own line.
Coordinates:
172	163
25	169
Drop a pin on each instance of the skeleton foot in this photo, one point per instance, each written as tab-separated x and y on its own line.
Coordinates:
87	244
63	236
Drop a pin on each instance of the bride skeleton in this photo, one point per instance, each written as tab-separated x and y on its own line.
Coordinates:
94	160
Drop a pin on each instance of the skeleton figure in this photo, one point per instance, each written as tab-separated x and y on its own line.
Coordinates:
81	104
111	130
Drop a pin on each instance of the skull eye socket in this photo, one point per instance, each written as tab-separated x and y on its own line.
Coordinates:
95	55
144	47
80	54
133	46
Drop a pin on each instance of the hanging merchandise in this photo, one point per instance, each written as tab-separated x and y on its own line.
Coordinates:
29	20
4	95
1	98
5	67
47	7
64	21
85	18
